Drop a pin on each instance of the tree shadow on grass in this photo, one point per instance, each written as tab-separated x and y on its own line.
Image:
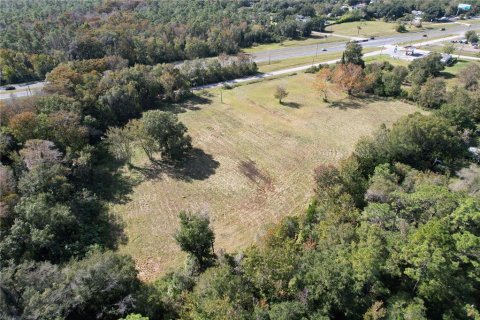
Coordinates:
197	166
446	75
192	103
355	102
109	182
345	104
294	105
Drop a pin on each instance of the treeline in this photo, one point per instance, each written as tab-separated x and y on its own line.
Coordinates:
145	31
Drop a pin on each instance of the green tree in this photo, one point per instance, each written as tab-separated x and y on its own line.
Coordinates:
432	94
471	36
353	54
196	237
280	93
168	134
424	68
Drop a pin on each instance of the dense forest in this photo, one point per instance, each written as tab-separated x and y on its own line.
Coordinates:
35	36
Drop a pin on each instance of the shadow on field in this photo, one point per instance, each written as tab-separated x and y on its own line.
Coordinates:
109	183
193	103
294	105
447	75
345	104
198	166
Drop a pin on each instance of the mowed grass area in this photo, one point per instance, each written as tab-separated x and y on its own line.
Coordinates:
378	28
463	50
255	165
314	39
450	73
302	61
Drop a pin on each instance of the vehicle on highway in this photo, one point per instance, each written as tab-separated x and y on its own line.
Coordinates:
9	88
324	49
372	38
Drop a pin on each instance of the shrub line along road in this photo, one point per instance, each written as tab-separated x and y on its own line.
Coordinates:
387	42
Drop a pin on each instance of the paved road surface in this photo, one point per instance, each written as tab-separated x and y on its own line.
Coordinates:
311	50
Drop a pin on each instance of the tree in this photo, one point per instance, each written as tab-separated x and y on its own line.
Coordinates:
280	93
40	152
432	94
400	28
196	237
120	143
471	36
449	48
423	142
321	82
392	81
424	68
469	76
353	54
349	77
168	134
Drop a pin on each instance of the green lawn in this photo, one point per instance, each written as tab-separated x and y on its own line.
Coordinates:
379	28
293	43
254	164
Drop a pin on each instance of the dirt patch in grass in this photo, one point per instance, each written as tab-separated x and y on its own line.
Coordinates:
254	165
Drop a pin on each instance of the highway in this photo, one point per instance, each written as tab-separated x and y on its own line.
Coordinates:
311	50
457	29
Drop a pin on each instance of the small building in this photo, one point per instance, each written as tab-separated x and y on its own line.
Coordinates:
409	50
447	59
417	13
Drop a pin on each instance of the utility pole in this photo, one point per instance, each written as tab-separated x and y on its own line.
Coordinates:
221	95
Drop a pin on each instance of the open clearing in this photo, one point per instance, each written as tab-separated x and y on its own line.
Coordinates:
253	164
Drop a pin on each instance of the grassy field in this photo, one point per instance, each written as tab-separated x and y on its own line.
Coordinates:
379	28
439	47
449	74
293	43
253	164
302	61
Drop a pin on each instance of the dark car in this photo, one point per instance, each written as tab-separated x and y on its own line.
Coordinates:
442	29
10	88
372	38
425	36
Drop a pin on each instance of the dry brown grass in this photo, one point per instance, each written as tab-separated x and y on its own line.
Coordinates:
256	166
